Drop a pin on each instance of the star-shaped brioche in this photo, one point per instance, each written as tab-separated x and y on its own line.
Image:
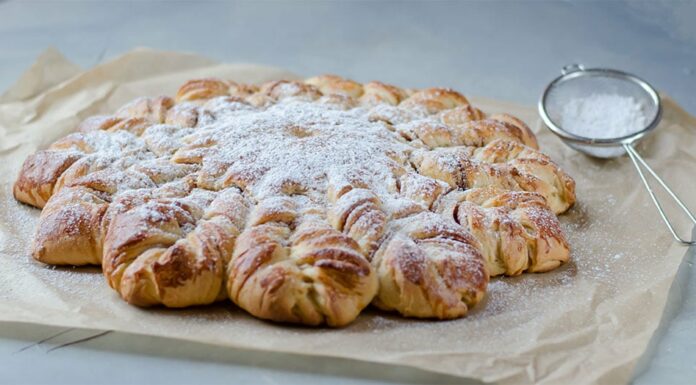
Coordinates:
301	201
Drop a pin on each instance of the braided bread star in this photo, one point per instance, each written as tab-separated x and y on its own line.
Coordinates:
300	201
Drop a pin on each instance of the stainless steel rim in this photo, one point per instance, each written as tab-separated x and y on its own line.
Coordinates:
575	71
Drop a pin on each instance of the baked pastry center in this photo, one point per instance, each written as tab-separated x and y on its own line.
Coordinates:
296	147
301	202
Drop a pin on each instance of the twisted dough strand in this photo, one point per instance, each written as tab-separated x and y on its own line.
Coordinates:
173	250
291	266
429	268
502	164
517	231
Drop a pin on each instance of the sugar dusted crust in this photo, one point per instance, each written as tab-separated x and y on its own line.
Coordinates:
301	202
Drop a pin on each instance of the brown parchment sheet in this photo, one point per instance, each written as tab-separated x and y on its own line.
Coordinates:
586	322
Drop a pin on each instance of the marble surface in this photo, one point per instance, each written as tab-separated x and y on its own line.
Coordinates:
500	49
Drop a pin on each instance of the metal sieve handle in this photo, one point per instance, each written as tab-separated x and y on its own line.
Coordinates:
570	68
638	161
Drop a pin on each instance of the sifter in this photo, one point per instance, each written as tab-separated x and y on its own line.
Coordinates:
577	82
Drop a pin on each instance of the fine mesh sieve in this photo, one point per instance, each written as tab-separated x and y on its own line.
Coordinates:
576	82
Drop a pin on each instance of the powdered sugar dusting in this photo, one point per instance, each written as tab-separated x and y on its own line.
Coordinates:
294	146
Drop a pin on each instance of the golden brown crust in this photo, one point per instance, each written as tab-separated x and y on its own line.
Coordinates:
357	213
311	274
241	90
336	85
525	133
434	100
533	171
39	174
97	123
502	164
517	230
170	250
146	193
202	89
69	230
376	92
429	268
461	115
283	89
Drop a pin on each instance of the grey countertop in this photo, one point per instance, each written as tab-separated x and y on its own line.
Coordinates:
504	50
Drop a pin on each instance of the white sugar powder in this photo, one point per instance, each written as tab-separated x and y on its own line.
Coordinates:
603	116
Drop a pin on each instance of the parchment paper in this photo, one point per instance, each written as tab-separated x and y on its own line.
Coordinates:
587	322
